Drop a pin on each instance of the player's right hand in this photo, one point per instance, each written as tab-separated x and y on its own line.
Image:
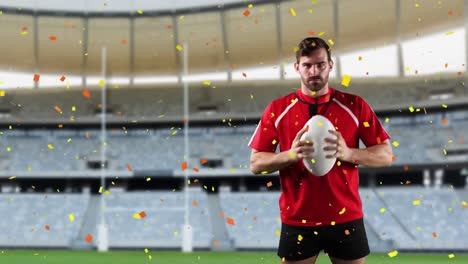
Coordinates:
301	149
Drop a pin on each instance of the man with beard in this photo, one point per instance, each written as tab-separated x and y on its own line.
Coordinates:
319	213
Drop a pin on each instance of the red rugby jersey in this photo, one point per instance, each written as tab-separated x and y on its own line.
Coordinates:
308	200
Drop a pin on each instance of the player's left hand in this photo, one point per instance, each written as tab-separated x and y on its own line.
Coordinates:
342	152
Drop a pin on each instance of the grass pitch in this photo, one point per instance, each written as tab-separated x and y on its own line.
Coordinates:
134	257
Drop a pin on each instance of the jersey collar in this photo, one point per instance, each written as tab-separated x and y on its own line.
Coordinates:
319	100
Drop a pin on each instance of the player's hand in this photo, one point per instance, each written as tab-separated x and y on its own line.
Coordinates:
301	149
342	152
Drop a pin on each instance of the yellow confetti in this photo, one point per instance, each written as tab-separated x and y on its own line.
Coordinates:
100	189
176	233
101	83
295	49
273	142
393	254
395	143
148	179
299	238
24	33
342	211
2	93
50	146
449	33
206	82
416	5
382	210
450	256
416	202
140	11
366	124
411	109
277	233
387	120
345	81
331	42
73	108
71	217
321	34
250	6
319	124
179	47
146	250
8	149
251	97
12	177
136	216
293	13
304	221
445	152
338	163
444	106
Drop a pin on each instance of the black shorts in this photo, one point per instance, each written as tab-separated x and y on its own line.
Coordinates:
344	241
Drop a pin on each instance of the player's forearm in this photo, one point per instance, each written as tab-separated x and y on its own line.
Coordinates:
265	162
374	156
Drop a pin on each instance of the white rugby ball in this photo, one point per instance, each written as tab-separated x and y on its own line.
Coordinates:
319	165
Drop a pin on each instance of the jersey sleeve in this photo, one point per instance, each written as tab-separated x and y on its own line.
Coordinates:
371	130
265	137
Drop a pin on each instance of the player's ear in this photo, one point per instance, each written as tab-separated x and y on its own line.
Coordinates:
296	66
330	64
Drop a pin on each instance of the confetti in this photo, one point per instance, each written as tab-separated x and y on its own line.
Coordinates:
269	184
464	204
342	211
395	143
216	243
366	124
71	217
196	169
2	93
140	11
89	238
101	83
382	210
58	109
62	78
393	254
129	168
444	106
50	146
416	202
142	214
331	42
292	11
230	221
347	232
86	93
411	109
206	83
184	166
203	161
244	74
345	81
434	234
47	228
36	77
246	13
299	238
450	256
124	41
449	33
53	38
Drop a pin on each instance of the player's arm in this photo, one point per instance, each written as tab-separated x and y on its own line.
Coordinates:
268	162
379	155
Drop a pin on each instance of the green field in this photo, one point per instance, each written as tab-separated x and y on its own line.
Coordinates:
134	257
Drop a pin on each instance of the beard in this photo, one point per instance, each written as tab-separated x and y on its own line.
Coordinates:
315	84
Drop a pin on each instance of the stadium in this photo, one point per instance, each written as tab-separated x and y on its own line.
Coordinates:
124	126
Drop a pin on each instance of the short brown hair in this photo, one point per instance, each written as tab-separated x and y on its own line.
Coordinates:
308	45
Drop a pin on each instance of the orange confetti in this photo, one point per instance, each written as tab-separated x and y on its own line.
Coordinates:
169	26
36	77
246	13
221	214
459	73
196	169
216	243
311	33
393	158
142	214
269	184
86	93
244	74
47	228
434	234
24	29
347	232
58	109
62	78
87	135
89	238
129	168
444	121
124	41
203	161
406	168
184	165
230	221
254	218
53	38
195	203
